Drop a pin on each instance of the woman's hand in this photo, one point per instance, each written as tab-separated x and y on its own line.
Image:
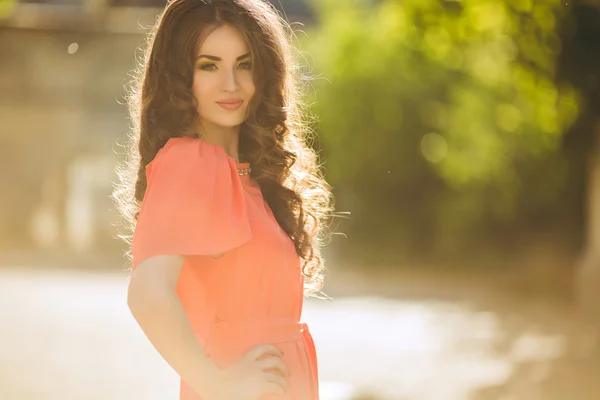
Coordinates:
260	371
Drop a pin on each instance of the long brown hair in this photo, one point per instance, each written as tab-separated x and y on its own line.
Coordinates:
273	139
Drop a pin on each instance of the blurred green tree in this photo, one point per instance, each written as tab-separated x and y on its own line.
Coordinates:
6	8
442	114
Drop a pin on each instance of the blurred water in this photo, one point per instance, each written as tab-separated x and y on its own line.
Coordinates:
68	335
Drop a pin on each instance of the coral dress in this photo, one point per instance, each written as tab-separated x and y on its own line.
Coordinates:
196	204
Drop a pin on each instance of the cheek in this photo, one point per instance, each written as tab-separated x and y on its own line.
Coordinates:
249	87
201	88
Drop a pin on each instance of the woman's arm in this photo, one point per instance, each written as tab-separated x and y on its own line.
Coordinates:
153	301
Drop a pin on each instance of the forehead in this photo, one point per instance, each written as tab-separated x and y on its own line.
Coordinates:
222	41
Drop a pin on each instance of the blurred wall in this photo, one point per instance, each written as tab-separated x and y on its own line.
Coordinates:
61	112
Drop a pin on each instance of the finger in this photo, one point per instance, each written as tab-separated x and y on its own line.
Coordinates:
265	349
271	388
277	381
274	363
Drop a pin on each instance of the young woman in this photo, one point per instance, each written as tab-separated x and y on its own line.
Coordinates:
225	202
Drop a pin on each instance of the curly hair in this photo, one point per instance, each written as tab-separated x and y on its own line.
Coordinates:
273	139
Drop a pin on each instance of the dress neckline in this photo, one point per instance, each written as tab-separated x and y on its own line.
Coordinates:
246	180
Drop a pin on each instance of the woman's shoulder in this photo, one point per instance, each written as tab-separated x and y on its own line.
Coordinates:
194	203
187	154
180	150
194	168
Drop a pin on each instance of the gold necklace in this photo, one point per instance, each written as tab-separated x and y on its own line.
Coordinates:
244	171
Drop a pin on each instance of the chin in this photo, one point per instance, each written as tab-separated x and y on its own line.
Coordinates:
230	122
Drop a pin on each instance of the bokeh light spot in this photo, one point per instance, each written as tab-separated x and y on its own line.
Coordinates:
434	147
73	47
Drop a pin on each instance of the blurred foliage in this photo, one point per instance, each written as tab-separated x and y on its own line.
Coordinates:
6	8
441	117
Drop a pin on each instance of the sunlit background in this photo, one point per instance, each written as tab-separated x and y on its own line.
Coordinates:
462	139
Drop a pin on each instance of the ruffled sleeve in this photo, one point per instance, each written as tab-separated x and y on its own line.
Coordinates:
194	203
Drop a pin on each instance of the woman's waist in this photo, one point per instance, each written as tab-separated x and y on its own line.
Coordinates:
241	334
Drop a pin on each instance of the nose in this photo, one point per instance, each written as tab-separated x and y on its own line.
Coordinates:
229	81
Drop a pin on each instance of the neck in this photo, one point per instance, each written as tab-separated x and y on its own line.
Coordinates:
225	136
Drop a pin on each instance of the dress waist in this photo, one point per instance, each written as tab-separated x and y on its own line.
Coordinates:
254	330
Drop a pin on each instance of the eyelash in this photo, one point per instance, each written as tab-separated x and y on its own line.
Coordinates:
203	66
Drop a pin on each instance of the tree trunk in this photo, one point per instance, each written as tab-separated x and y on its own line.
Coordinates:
588	271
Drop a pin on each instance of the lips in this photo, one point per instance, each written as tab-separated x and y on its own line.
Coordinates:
230	101
231	105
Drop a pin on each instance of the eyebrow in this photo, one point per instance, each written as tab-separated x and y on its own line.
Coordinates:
215	58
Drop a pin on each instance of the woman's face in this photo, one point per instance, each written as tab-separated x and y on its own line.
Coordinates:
223	83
